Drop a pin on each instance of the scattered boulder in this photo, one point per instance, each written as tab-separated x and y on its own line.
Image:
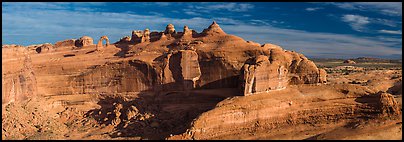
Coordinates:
132	112
117	113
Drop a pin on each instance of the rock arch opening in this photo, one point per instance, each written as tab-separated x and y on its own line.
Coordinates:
100	45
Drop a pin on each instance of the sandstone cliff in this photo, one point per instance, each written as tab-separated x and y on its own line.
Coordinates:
18	78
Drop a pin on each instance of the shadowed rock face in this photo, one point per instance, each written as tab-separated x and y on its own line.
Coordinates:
136	36
181	70
18	79
120	77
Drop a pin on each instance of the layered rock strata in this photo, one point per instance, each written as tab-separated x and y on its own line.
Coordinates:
18	78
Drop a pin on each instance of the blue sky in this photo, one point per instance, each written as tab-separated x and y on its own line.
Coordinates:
331	30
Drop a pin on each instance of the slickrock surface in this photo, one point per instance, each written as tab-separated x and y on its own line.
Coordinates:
182	84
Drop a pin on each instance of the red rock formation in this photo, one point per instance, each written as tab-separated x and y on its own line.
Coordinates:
277	70
124	40
169	29
213	29
99	44
137	36
146	36
163	36
84	41
120	77
66	43
187	34
18	80
388	105
181	70
322	76
41	48
261	75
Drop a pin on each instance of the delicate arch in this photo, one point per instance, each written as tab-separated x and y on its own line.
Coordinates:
99	44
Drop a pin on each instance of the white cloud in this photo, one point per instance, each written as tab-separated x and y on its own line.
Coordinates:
234	7
162	3
390	32
207	8
357	22
313	8
259	22
191	13
386	8
386	22
318	44
231	7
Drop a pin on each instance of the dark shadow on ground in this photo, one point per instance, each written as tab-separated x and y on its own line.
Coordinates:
158	114
124	50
